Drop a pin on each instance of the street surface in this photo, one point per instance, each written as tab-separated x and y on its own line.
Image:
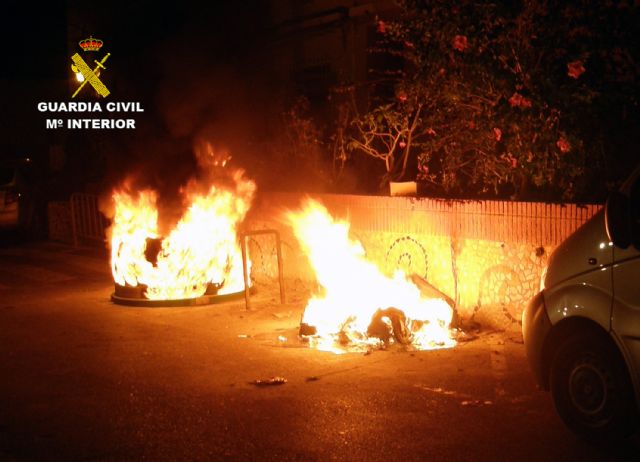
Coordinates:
84	379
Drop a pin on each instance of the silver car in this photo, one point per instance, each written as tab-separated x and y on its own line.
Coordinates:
582	330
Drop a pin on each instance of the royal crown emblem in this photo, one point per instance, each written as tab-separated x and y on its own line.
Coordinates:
90	44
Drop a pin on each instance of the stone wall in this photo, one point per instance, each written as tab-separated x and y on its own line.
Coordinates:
488	255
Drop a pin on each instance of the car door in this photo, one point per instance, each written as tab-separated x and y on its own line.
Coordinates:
626	304
626	289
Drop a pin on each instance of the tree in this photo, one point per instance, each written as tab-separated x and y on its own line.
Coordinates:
502	100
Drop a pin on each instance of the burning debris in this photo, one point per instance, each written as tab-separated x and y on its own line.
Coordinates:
201	253
359	307
273	381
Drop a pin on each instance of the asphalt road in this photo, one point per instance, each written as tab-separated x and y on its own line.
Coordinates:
84	379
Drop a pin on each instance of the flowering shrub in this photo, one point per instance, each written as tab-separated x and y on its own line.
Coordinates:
498	100
575	69
295	144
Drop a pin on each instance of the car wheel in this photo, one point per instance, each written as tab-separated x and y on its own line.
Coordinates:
591	389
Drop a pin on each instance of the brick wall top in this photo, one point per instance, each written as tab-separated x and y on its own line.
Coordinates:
523	222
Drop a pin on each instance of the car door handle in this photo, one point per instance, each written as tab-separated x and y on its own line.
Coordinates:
593	261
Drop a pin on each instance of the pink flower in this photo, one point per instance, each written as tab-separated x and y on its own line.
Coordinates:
497	133
460	42
402	144
517	100
431	131
563	145
512	161
409	44
382	27
575	69
402	96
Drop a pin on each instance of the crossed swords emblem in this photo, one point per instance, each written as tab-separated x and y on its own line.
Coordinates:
90	75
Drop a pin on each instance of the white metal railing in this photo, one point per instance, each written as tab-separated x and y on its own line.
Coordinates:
87	223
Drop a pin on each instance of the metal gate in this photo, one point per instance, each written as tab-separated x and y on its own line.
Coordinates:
87	223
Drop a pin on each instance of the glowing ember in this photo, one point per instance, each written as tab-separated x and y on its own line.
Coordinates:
202	248
358	301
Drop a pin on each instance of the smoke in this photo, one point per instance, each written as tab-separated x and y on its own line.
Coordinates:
215	107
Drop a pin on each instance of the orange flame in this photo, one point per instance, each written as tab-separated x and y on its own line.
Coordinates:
354	290
202	248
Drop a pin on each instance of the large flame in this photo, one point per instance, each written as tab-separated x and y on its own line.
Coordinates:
202	248
355	291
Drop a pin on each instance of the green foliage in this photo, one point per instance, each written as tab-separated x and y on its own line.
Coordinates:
295	144
495	99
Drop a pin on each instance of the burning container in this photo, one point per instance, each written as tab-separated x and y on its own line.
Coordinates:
198	262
